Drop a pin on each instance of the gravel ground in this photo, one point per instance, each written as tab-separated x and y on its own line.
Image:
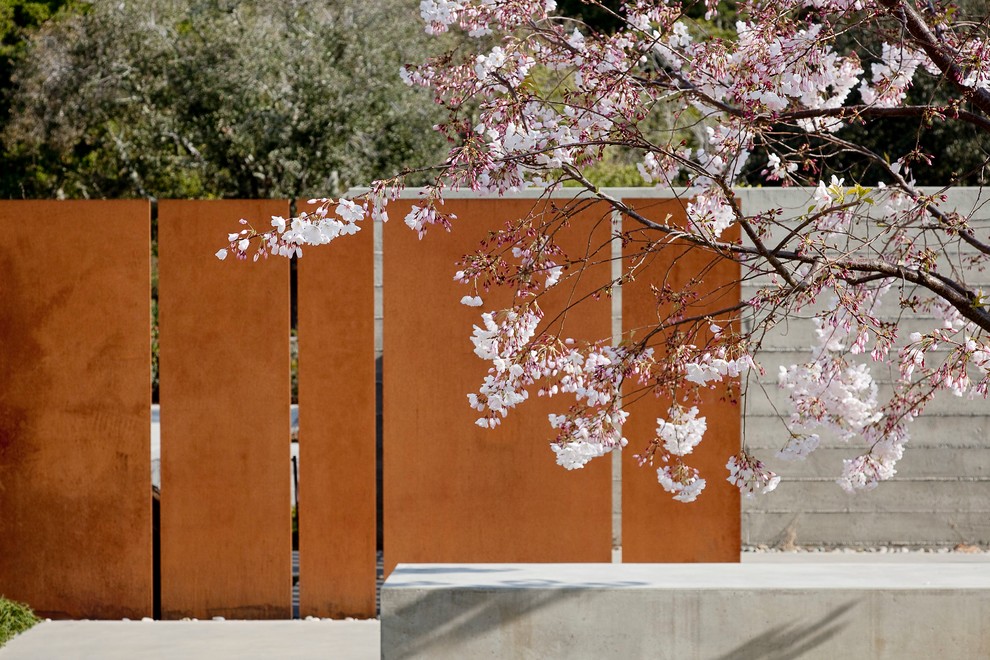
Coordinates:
962	548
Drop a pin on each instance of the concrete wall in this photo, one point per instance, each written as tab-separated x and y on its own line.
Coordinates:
941	494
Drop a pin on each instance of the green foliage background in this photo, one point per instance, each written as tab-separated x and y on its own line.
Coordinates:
210	98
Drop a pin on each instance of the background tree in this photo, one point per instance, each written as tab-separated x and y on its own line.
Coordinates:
201	98
19	19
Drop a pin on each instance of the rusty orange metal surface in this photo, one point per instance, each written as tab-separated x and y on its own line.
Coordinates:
656	528
75	401
225	396
454	492
337	513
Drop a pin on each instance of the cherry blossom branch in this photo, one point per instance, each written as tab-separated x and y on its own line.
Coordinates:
918	28
541	99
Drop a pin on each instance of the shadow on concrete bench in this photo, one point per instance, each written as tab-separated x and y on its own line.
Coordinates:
683	611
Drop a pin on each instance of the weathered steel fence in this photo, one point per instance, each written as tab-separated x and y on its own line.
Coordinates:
75	496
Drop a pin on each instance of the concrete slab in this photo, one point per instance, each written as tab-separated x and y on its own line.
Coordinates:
753	610
215	640
756	577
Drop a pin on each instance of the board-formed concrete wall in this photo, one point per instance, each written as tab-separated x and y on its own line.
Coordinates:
940	496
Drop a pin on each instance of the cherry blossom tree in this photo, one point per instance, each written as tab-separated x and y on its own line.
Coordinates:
542	98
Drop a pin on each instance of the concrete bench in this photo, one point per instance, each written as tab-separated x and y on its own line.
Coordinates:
685	611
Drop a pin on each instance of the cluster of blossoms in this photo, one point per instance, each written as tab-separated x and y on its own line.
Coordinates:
287	237
773	66
892	75
836	395
777	170
661	169
684	482
712	366
682	432
479	19
587	436
750	475
678	436
536	100
593	427
499	342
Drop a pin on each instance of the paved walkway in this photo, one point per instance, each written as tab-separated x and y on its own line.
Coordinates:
215	640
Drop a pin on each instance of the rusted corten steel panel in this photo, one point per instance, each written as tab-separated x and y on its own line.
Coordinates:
454	492
225	397
75	402
656	528
337	513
